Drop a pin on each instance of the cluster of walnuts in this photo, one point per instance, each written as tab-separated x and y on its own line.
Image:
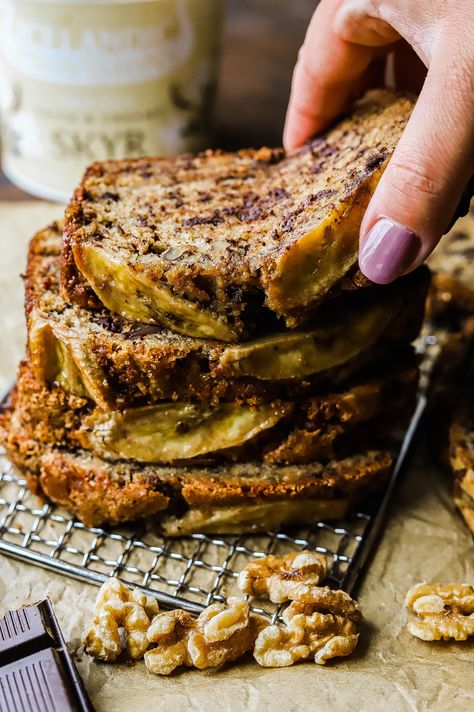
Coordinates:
319	622
127	620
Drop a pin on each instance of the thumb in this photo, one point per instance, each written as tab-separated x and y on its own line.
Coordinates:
423	182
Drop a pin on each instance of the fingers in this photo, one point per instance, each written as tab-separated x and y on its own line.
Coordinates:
329	73
422	185
423	182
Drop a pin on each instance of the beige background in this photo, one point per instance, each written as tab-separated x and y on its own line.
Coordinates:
424	540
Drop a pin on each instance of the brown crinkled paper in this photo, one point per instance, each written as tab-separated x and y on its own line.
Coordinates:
425	540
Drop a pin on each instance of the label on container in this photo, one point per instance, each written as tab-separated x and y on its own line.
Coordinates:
85	81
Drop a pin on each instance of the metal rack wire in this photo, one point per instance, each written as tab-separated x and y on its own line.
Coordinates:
194	571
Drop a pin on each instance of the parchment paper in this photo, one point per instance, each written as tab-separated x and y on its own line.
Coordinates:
424	540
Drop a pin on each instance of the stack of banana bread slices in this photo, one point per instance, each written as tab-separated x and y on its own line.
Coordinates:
201	346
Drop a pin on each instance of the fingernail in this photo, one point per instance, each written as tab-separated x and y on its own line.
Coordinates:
388	251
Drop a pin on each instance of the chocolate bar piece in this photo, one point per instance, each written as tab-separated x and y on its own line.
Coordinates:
22	632
36	671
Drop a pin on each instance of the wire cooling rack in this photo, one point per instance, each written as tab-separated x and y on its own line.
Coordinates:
195	571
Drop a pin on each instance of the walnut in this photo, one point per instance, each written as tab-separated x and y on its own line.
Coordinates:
324	600
323	625
220	634
322	635
337	647
170	632
219	622
283	578
445	611
224	633
102	639
119	608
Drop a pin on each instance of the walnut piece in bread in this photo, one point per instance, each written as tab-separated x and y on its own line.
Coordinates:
445	611
283	578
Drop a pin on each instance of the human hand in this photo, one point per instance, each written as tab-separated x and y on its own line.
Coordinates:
423	182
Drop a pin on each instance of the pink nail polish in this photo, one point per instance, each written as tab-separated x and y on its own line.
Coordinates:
387	251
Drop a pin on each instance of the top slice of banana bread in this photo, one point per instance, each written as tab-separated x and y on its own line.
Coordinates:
200	243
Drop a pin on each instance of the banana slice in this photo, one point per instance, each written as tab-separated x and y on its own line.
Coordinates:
318	260
128	291
254	516
60	354
174	431
303	353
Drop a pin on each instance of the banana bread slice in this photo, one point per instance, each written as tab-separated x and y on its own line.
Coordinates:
117	363
198	243
451	298
317	428
225	499
452	415
461	440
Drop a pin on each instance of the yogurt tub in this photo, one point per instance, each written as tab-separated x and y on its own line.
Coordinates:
82	81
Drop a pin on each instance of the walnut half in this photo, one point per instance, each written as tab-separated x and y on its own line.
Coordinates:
117	608
323	627
282	578
169	632
444	611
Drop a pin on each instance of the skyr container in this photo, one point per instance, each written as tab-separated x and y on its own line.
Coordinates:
82	81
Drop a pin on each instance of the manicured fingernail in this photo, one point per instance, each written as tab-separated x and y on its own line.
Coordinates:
387	251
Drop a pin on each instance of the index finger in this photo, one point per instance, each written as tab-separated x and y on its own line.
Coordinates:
328	75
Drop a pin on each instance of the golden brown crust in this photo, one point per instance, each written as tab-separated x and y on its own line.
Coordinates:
94	495
346	478
84	485
216	227
335	422
41	276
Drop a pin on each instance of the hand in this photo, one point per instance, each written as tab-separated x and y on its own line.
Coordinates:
423	183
